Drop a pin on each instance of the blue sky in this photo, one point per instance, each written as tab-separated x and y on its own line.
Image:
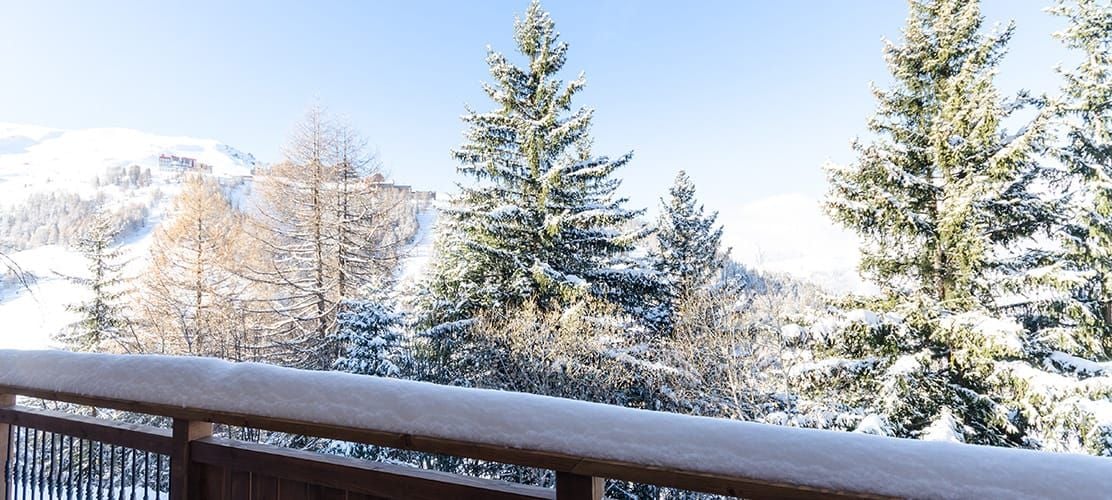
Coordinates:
749	97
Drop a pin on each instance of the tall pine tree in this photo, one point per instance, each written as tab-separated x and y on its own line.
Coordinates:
1085	269
541	221
102	324
687	251
943	201
942	196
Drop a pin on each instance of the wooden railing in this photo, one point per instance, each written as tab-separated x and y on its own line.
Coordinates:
48	454
205	467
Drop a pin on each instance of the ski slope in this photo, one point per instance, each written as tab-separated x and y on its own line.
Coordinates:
416	257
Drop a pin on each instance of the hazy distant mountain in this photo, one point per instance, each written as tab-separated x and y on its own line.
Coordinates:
38	159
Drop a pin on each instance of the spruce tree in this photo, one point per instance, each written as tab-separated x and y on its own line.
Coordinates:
1085	268
687	251
102	322
1061	390
369	337
942	193
540	219
943	202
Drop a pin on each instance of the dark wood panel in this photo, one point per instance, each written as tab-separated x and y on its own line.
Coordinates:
213	483
264	487
575	487
292	490
139	437
356	476
238	485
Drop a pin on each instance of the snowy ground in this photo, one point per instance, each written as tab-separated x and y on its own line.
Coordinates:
417	255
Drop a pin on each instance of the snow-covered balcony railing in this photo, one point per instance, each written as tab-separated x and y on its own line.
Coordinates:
584	443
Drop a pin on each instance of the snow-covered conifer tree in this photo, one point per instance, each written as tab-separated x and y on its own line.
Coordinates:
368	335
1064	390
103	323
687	251
540	220
944	201
1085	269
942	197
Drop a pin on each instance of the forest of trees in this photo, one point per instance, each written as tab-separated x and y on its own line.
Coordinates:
262	282
985	222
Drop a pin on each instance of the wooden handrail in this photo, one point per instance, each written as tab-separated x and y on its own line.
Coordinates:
573	466
581	442
137	437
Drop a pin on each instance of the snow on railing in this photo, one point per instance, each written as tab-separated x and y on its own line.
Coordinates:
826	460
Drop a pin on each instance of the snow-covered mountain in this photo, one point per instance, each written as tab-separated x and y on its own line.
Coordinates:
40	159
44	160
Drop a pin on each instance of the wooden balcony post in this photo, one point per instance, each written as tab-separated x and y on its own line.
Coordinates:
6	401
184	476
576	487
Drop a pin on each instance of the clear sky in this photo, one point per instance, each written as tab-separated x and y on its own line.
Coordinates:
751	97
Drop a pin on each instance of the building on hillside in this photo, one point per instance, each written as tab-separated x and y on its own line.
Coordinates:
182	164
379	181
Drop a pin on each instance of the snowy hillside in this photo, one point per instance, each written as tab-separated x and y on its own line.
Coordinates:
417	255
38	160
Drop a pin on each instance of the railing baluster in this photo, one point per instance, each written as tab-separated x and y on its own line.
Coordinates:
134	472
6	433
6	441
100	471
22	481
69	471
44	467
24	474
112	471
94	474
48	463
158	476
147	475
119	461
58	467
123	475
82	470
36	475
